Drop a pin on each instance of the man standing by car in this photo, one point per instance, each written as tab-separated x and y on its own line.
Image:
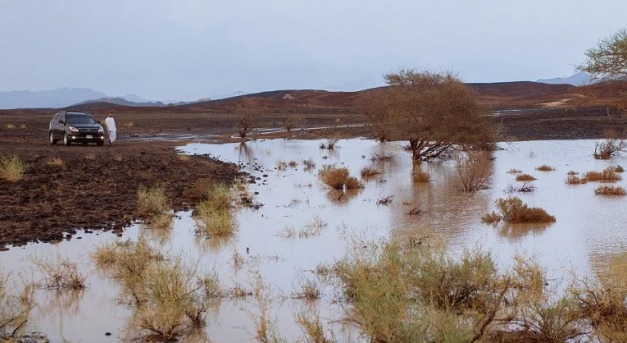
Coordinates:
111	129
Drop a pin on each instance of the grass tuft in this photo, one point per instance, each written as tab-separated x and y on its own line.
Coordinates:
525	177
607	175
338	178
610	191
573	179
369	172
545	168
60	274
12	168
56	162
215	212
151	202
513	210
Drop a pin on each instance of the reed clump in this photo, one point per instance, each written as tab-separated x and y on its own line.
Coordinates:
12	168
610	191
338	178
513	210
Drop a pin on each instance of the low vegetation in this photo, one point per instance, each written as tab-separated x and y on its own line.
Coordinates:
168	297
309	164
17	304
607	175
215	211
419	175
151	201
12	168
545	168
338	178
525	177
330	144
61	274
610	191
573	179
611	146
474	170
514	171
56	162
369	172
513	210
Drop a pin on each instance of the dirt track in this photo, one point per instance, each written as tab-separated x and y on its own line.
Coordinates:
97	186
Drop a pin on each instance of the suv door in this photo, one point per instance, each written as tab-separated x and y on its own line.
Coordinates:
59	126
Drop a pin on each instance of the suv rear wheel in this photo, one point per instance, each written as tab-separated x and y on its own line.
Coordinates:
52	140
66	140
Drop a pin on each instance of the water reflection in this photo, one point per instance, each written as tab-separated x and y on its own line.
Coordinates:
587	231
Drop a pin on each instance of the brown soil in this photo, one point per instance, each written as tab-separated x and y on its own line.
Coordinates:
96	188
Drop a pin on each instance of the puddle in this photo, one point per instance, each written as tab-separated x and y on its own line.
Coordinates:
302	224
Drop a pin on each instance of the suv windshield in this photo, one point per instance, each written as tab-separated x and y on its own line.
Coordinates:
79	119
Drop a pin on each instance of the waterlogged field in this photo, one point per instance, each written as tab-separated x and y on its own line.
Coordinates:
270	269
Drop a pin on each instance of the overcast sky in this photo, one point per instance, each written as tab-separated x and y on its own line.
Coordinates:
189	49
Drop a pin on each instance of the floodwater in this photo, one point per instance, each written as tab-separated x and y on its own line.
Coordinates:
302	225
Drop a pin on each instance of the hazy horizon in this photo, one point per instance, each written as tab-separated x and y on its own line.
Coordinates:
186	50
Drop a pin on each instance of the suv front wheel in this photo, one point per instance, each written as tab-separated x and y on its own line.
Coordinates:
52	140
66	139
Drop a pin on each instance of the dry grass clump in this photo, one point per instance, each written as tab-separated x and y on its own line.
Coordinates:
60	274
281	165
183	157
419	175
215	212
292	164
56	162
338	178
9	126
572	172
616	168
309	290
369	172
90	156
168	296
513	210
12	168
606	175
610	191
309	164
151	201
525	177
474	170
421	294
573	179
312	328
22	126
514	171
611	146
311	229
15	309
545	168
330	144
602	300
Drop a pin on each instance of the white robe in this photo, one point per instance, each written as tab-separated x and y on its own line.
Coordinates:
111	129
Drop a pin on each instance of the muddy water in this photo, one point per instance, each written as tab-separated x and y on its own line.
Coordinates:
302	224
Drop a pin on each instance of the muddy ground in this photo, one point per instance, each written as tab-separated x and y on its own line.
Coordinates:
96	187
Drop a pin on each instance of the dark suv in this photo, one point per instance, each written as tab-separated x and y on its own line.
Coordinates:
75	127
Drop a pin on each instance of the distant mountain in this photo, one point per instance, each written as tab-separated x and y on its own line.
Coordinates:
579	79
125	101
65	97
55	98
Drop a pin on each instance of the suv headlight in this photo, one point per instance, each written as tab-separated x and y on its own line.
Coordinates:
100	129
72	128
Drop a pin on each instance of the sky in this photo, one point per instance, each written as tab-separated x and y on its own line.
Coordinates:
182	50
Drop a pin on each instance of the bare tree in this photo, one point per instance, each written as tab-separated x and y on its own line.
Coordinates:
435	112
247	112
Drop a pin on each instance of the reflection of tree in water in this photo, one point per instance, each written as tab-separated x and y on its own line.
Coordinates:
246	153
514	232
341	197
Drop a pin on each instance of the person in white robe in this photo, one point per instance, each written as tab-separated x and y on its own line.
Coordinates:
111	129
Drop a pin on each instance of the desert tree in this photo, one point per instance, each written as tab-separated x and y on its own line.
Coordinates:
608	60
435	112
247	111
